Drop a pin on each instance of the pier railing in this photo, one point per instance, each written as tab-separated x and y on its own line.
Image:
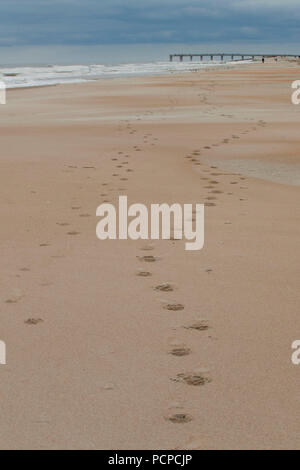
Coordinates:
223	56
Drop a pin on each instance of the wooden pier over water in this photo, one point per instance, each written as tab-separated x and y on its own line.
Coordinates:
233	57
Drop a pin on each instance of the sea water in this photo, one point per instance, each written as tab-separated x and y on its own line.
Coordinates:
32	76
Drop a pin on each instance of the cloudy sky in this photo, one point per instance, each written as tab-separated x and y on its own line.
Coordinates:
82	22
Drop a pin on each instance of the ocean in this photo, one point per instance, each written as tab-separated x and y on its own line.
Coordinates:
33	76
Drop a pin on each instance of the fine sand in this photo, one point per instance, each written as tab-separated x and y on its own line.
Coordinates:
143	345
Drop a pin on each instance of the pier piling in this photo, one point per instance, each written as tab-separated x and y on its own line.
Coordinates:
222	56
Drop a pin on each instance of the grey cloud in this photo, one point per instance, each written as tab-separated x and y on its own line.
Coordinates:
41	22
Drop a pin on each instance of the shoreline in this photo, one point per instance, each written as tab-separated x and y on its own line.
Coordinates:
191	67
202	66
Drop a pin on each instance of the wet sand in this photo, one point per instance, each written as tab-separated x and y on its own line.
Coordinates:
142	345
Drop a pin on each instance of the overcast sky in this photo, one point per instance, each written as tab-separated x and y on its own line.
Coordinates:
84	22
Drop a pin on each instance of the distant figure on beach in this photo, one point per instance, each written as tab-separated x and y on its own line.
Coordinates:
263	60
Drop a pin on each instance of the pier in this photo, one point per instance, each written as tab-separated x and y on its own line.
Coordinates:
233	57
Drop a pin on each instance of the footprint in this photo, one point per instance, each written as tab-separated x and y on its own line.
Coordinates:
11	301
174	307
194	379
85	215
33	321
210	204
62	224
179	418
200	325
164	288
73	233
180	352
144	274
148	259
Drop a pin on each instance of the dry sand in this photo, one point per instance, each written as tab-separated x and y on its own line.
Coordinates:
95	361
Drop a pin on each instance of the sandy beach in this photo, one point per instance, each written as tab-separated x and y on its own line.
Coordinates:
97	358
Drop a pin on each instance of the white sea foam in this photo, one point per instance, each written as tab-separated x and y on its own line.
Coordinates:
21	77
